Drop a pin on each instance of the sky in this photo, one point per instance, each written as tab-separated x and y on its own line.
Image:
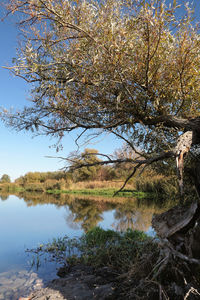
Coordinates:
19	152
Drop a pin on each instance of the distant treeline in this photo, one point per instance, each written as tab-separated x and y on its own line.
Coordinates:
94	177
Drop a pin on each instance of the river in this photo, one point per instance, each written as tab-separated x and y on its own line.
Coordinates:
27	220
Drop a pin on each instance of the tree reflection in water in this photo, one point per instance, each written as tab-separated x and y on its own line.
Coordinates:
87	211
4	196
132	216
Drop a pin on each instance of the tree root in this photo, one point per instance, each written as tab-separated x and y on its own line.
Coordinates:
172	276
191	291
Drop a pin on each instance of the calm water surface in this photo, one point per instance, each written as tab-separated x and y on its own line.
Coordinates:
28	220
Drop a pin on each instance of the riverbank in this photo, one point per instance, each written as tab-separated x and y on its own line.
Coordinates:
107	192
95	265
80	282
103	192
115	266
159	187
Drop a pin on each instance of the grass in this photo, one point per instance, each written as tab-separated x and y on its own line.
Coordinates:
100	248
99	184
103	192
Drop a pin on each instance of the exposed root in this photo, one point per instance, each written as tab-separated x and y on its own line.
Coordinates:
191	291
172	276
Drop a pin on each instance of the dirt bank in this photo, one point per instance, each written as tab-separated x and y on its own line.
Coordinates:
78	283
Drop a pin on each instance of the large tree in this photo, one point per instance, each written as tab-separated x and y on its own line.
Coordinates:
130	68
126	67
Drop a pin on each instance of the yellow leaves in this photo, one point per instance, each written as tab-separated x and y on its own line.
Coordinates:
98	47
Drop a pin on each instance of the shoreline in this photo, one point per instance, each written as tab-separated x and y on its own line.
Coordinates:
107	192
80	282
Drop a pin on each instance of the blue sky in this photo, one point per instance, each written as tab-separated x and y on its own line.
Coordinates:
19	152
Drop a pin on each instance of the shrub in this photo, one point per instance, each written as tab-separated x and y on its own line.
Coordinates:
35	187
50	184
61	184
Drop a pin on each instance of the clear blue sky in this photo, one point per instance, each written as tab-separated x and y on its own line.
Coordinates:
19	152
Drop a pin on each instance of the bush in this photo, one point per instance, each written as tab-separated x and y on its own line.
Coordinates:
35	187
53	184
50	184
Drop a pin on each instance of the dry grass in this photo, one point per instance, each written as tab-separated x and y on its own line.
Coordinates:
99	185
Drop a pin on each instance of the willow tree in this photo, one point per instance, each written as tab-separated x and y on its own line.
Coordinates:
125	67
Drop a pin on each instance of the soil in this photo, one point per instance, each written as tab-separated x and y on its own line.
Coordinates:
78	283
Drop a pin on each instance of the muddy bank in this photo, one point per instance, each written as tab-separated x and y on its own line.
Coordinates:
78	283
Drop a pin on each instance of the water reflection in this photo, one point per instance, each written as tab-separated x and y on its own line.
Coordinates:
16	283
4	196
86	212
28	219
133	216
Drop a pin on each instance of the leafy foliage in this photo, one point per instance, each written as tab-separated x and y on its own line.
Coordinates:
129	68
5	179
86	158
121	66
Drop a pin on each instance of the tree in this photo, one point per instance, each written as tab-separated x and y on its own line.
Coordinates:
123	67
129	68
123	170
86	158
5	179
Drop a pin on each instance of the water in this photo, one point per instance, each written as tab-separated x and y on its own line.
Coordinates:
28	220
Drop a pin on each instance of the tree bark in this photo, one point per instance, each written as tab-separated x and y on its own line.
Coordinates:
181	224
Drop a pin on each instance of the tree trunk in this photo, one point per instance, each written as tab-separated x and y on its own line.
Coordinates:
181	224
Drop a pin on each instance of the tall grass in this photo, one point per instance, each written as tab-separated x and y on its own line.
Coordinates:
159	185
95	184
